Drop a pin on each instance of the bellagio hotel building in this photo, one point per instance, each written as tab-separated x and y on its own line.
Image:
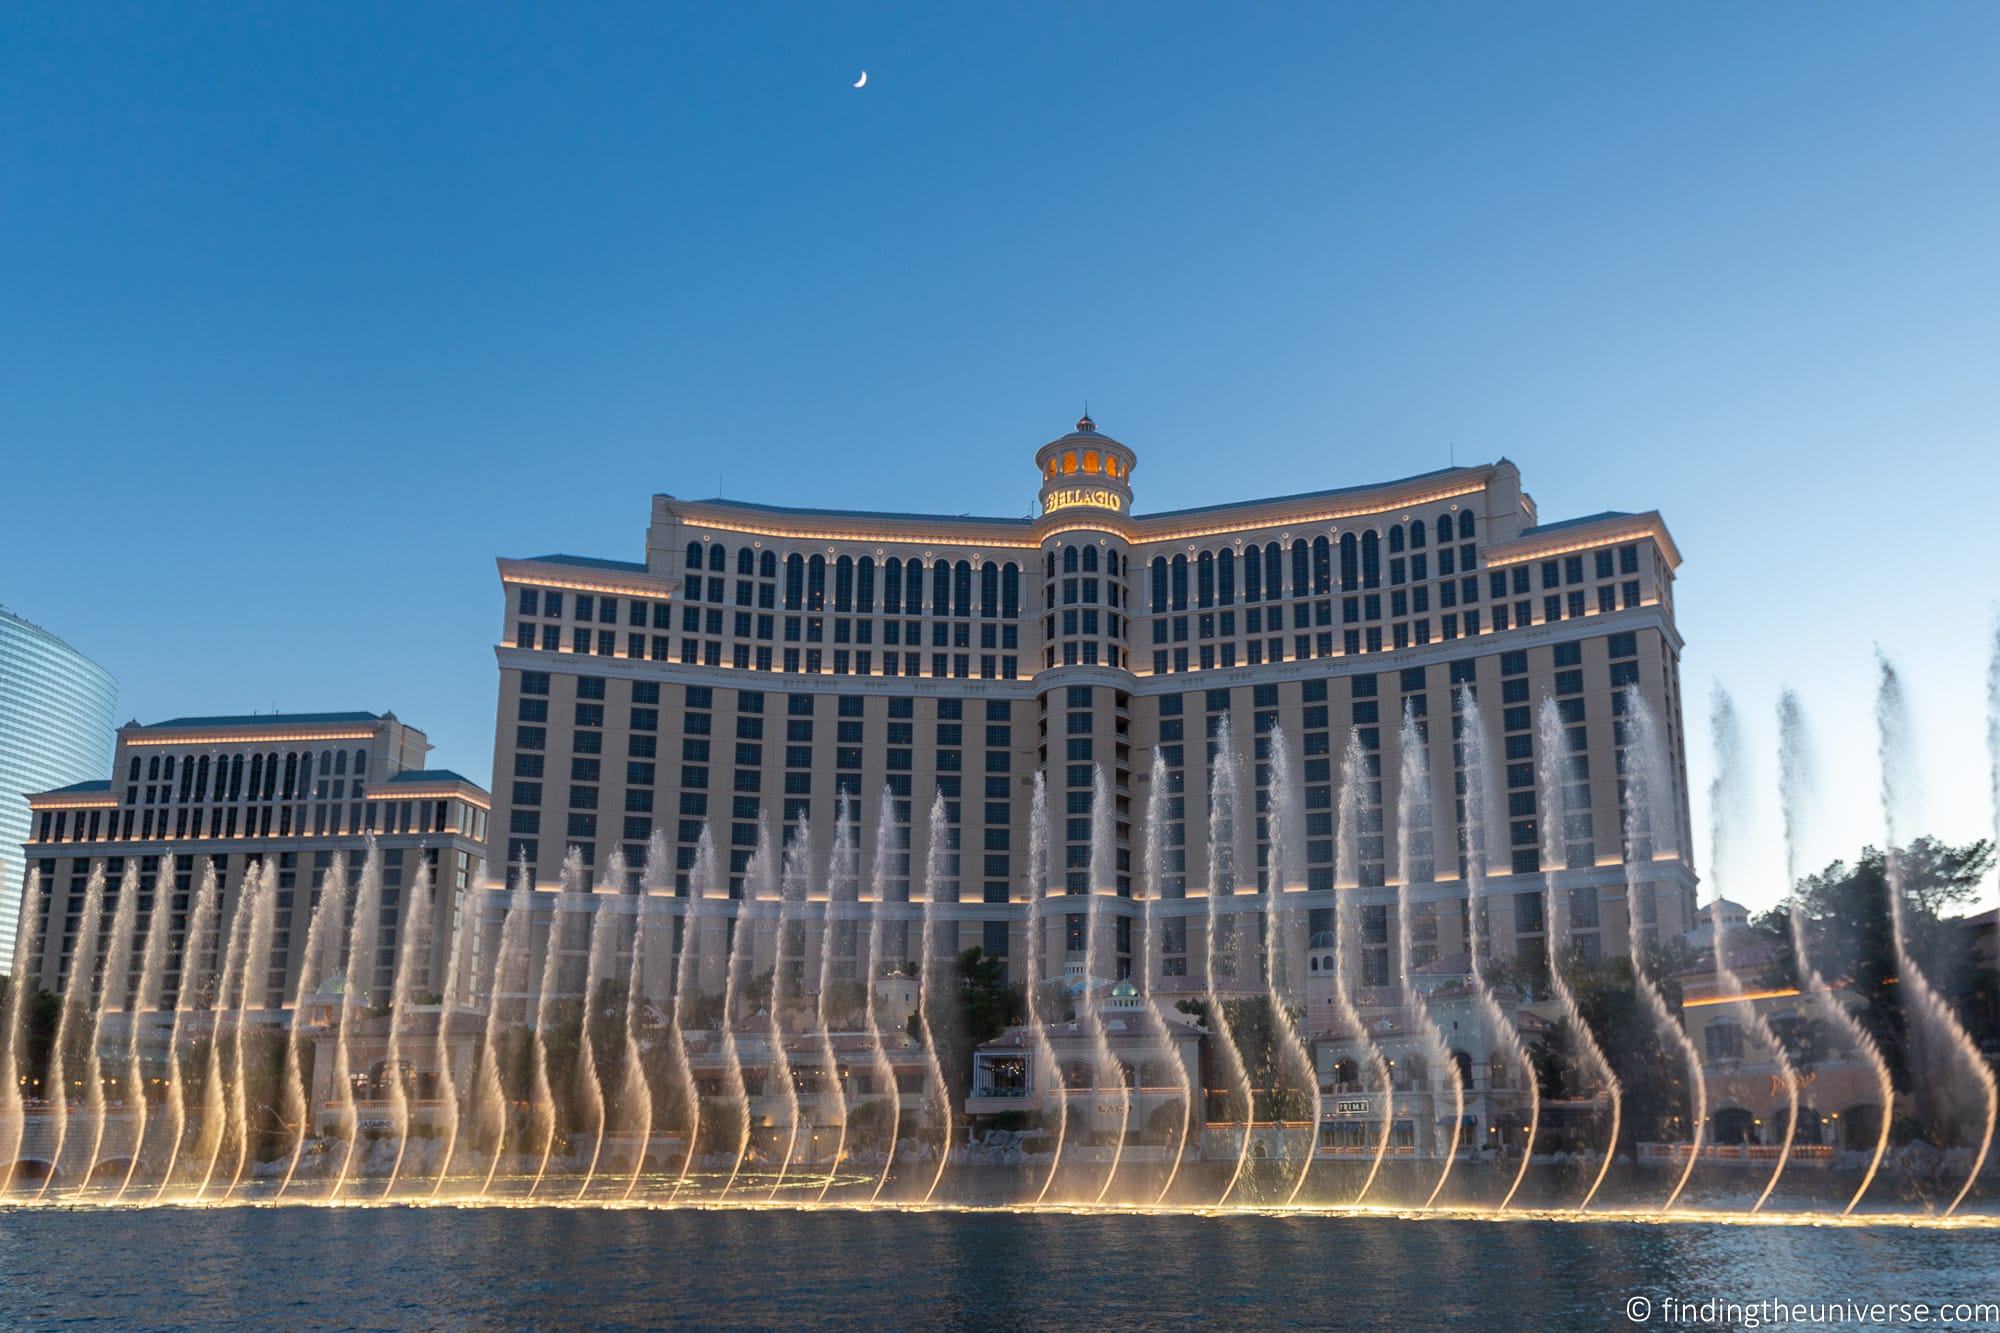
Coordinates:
762	661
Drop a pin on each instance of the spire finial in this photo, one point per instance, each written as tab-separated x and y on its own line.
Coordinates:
1084	422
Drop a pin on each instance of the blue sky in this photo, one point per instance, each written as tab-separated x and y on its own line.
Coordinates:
309	311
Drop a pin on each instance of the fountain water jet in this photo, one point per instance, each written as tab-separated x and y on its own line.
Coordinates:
687	960
510	956
1940	1023
1038	860
929	983
687	977
1644	783
603	943
1794	778
13	1021
742	931
541	1095
82	969
145	999
1099	953
260	899
1415	832
841	891
1725	800
1284	871
1552	775
635	1096
197	957
220	1118
1479	824
447	1081
1355	780
357	985
884	1070
415	948
332	895
113	988
791	898
1045	1053
1220	946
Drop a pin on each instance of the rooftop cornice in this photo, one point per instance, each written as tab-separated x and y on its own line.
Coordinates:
583	578
1584	534
895	529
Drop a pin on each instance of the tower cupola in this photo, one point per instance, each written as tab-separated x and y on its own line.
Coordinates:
1085	470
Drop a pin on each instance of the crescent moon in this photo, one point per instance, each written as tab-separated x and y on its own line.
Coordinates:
862	82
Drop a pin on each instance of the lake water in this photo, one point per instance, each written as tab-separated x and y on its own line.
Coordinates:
524	1267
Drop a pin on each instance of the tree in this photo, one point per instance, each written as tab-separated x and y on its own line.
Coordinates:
1648	1060
1844	910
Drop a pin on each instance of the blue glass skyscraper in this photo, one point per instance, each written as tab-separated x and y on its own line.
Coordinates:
57	722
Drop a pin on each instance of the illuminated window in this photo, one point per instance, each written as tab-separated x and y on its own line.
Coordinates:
1090	463
1069	463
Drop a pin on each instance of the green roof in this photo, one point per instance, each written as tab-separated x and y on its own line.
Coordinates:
266	720
429	775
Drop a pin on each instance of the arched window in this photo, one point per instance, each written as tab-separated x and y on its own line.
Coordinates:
892	587
1301	568
816	583
1273	572
1416	534
1070	559
1444	529
961	588
1396	540
864	586
843	583
1090	463
1322	566
1253	576
694	555
718	559
1111	465
941	588
1371	560
1010	592
1350	563
1465	525
913	588
767	565
746	562
1180	579
1159	581
989	590
1090	559
795	581
361	763
1050	470
1225	576
1204	579
1069	464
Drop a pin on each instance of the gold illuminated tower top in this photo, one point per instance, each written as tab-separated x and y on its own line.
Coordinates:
1086	470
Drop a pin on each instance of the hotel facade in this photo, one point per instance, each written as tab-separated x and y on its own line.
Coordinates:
763	663
305	791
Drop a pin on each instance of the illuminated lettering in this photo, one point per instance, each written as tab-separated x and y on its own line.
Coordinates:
1093	498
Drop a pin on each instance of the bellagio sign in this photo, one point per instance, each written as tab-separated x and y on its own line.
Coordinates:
1095	498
